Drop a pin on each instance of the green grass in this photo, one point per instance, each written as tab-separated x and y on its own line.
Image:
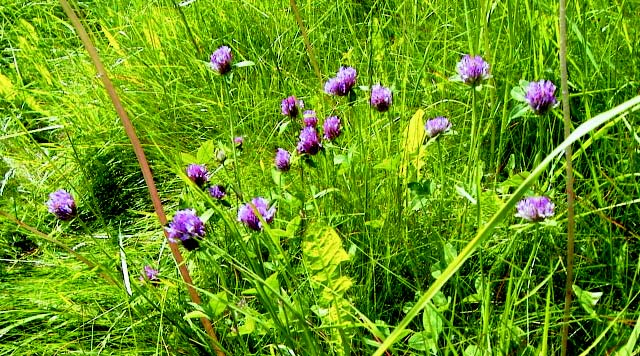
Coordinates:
363	231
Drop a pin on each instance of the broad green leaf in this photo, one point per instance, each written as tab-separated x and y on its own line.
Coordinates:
432	324
324	253
248	327
413	137
587	300
449	253
518	93
421	342
205	152
218	304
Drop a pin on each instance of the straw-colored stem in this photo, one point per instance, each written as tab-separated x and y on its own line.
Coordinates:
569	169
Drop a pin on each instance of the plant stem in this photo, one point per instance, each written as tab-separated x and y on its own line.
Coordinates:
233	143
570	194
305	37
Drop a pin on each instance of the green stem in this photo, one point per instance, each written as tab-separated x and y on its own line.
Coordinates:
236	166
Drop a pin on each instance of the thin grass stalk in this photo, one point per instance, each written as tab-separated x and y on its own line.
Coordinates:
305	38
234	148
46	237
144	165
485	231
569	169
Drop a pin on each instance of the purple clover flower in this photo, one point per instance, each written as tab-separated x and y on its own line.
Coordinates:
283	160
535	209
309	142
198	174
62	205
247	216
309	118
221	60
381	97
541	96
437	126
472	69
291	106
331	128
238	141
217	191
187	227
150	274
342	83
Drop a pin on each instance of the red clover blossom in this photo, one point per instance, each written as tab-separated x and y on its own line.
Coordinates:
309	118
221	60
62	205
309	142
247	216
291	106
198	174
541	96
283	160
187	227
331	128
381	97
535	209
472	70
217	191
342	83
437	126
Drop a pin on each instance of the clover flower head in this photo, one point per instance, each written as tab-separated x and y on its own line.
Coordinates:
221	60
217	191
381	97
62	205
541	96
309	118
473	69
247	216
342	83
291	106
238	141
331	127
309	141
185	226
437	126
535	209
283	160
198	174
150	273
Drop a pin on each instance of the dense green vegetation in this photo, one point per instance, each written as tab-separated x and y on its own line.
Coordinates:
362	229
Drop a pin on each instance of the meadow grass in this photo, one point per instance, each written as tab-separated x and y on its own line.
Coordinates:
382	224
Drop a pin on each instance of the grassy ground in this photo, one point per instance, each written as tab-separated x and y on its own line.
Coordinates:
364	228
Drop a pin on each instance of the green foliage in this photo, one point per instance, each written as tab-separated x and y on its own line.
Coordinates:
368	229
